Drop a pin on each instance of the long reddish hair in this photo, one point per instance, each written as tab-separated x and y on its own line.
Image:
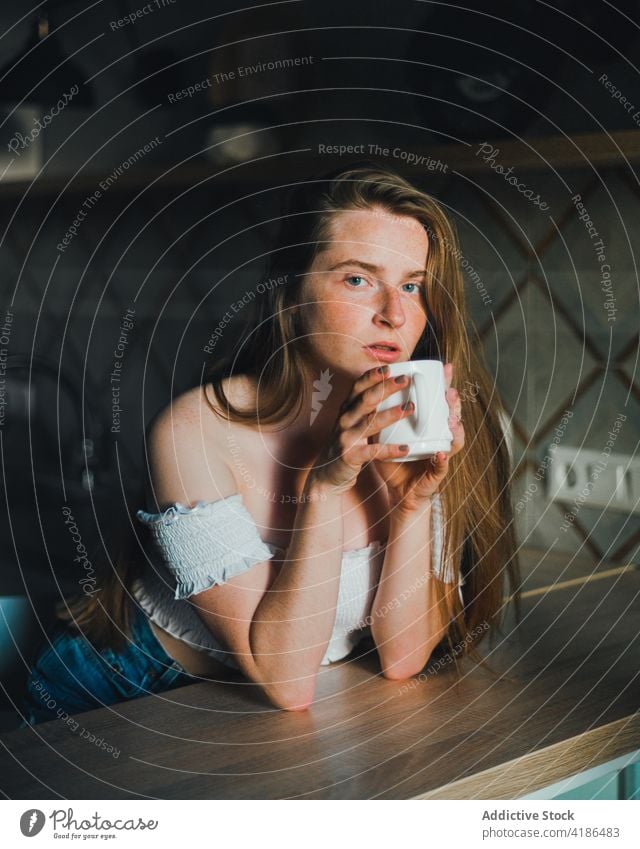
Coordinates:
479	532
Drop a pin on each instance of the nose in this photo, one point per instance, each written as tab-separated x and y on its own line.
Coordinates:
391	311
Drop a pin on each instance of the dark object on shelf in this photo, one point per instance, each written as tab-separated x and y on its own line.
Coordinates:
157	71
42	74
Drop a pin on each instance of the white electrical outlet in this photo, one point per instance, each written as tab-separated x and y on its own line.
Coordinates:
594	479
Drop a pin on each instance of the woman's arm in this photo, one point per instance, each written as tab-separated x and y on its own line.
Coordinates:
406	622
293	622
275	621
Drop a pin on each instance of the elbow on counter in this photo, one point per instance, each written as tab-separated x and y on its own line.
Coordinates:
407	663
292	704
291	698
396	673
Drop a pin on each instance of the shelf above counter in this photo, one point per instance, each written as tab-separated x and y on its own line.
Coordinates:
620	148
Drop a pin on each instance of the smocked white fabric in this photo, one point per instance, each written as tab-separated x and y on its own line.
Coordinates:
210	543
206	544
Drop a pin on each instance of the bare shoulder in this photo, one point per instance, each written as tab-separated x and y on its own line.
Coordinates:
239	390
186	448
199	410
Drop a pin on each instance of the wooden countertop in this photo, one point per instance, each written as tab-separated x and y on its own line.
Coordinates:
570	702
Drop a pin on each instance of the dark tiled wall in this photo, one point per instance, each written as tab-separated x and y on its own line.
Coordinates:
534	292
554	337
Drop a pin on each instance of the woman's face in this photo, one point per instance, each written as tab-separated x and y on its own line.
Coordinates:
366	288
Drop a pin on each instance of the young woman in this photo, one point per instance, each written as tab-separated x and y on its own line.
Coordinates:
279	532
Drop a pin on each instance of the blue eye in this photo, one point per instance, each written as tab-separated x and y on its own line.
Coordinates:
416	288
354	277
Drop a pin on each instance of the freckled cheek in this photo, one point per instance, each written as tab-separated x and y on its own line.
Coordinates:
339	319
416	319
419	325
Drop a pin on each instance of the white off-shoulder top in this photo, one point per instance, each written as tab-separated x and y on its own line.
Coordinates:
194	548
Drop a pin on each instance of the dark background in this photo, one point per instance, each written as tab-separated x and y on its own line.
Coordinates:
183	232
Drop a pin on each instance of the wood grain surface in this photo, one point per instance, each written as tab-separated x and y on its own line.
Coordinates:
563	697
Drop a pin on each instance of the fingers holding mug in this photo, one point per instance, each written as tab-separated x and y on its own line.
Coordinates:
448	375
455	419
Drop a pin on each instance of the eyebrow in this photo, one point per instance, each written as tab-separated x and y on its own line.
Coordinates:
374	269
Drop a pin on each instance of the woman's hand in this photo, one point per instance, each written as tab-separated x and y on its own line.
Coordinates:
412	483
339	465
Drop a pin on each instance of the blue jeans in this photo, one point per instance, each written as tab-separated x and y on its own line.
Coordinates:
70	675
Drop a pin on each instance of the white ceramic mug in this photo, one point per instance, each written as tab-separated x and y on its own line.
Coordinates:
426	430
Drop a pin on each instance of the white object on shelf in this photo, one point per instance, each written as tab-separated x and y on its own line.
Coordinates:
594	479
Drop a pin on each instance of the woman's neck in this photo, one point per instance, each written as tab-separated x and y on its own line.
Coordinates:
324	394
